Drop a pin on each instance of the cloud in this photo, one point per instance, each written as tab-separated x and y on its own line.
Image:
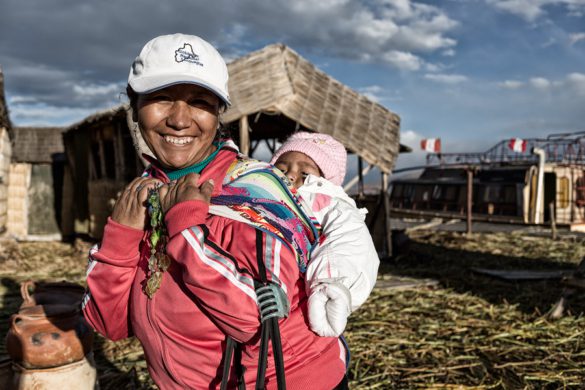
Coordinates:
402	60
511	84
397	33
96	90
530	10
540	83
372	92
451	79
35	114
577	37
81	54
576	81
411	138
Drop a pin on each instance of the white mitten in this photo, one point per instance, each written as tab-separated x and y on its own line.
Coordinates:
329	307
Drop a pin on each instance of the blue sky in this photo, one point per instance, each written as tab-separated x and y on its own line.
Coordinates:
472	72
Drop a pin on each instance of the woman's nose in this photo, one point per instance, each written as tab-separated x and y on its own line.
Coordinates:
179	115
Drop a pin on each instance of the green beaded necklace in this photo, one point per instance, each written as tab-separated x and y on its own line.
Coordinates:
159	261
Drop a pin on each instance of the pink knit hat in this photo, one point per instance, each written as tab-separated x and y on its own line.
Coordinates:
328	153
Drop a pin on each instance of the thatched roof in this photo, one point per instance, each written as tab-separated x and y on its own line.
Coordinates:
37	144
4	119
99	117
278	81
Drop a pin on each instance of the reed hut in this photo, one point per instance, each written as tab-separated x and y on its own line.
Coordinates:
275	92
101	160
35	183
5	155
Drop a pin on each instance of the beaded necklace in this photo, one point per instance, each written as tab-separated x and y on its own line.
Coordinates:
159	261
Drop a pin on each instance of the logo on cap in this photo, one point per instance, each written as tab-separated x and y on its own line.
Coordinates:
186	53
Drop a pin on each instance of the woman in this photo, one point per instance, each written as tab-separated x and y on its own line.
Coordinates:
185	285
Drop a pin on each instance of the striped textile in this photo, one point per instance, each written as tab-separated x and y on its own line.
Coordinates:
261	195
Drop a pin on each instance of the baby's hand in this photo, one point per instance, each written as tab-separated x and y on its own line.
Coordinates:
329	307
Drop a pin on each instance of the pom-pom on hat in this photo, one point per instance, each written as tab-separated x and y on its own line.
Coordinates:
328	153
179	59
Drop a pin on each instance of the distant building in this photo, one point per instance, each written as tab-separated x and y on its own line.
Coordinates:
36	183
5	155
531	185
101	160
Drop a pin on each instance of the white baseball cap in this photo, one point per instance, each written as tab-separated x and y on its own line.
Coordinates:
177	59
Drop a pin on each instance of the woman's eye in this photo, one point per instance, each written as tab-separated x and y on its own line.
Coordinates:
159	98
200	103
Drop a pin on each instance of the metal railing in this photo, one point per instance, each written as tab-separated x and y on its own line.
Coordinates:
564	148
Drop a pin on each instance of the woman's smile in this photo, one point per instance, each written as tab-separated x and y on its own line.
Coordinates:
178	140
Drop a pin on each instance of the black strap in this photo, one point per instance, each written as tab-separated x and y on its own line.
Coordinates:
232	348
227	362
269	331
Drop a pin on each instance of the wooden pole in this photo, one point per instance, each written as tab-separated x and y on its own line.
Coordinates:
361	178
244	135
387	223
553	220
469	198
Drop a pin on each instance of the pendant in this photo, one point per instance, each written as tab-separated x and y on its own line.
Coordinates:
153	283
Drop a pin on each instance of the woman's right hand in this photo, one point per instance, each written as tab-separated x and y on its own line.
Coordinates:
130	209
184	189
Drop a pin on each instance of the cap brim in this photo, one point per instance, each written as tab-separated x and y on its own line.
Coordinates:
154	83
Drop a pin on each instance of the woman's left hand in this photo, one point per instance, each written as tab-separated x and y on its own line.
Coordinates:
184	189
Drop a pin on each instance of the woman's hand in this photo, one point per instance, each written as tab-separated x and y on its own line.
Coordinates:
130	209
184	189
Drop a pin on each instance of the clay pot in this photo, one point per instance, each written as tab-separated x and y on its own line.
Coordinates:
44	293
48	336
79	375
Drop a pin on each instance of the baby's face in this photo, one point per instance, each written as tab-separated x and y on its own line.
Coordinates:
297	166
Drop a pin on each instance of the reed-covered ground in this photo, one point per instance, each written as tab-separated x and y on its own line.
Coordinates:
467	331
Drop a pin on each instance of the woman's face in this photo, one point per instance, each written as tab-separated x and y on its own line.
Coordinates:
179	124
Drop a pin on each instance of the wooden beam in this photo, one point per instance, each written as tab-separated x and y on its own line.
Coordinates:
244	135
102	155
469	198
119	152
387	224
361	178
356	178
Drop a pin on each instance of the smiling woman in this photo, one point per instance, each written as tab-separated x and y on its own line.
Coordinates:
195	245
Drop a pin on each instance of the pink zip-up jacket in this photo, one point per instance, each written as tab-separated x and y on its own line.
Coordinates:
206	294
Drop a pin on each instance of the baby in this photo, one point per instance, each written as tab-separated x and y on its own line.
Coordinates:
344	265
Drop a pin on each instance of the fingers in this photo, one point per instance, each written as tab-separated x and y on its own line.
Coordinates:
207	188
144	186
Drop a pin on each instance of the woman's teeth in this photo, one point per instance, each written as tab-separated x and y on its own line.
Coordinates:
178	140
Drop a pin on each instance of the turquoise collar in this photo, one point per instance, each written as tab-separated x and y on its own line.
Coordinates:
196	168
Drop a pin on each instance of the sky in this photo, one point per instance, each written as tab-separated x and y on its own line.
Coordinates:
471	72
